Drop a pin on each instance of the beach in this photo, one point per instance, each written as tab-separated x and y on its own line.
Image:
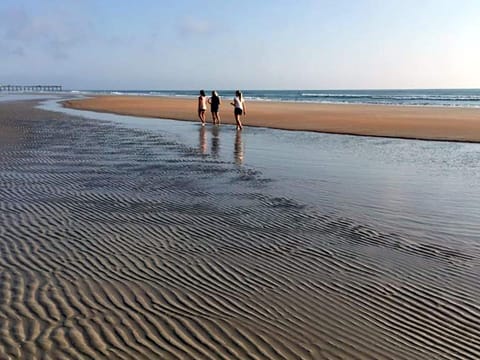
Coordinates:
121	241
411	122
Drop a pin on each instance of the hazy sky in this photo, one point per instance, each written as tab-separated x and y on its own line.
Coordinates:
261	44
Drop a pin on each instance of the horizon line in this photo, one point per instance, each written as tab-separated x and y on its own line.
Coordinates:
273	89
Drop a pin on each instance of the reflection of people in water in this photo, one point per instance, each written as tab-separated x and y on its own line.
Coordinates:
215	140
203	140
238	149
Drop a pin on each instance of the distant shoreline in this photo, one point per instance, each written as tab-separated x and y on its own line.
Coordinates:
396	121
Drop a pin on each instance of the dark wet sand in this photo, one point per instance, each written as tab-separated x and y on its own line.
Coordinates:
411	122
114	246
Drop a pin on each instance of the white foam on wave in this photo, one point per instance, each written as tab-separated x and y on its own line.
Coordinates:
425	97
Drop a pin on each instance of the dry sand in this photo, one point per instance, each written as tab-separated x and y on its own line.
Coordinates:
112	247
454	124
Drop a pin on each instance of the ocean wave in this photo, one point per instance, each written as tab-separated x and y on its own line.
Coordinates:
258	98
396	97
453	98
334	95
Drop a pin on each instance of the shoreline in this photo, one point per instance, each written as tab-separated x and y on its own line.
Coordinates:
389	121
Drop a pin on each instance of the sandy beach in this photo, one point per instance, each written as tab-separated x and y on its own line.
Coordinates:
118	243
431	123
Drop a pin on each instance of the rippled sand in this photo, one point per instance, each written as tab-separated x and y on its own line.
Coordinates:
122	244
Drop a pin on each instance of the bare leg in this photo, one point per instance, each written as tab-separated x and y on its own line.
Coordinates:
216	119
239	123
201	115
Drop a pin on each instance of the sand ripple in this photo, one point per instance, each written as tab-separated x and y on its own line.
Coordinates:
119	244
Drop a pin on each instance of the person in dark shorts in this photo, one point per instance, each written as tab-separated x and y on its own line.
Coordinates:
215	103
240	108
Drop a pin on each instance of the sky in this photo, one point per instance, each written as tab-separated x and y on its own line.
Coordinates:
251	44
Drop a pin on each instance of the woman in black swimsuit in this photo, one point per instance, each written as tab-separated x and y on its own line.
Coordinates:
215	102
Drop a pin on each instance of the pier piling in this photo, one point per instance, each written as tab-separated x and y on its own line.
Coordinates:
30	88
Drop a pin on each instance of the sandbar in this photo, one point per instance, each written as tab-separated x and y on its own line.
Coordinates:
411	122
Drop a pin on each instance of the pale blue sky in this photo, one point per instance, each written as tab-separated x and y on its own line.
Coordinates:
270	44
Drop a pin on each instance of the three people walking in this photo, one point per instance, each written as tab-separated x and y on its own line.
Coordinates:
215	102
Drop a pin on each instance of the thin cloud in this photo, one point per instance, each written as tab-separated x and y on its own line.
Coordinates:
13	51
18	51
194	27
55	34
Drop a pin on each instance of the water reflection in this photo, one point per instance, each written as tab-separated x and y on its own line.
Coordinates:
215	140
238	149
202	140
434	186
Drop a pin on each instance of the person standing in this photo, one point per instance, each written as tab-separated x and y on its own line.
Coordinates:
202	106
215	103
239	108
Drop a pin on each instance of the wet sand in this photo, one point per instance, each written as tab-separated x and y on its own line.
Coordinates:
453	124
122	244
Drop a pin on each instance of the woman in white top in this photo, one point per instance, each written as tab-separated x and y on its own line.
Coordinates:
202	106
240	108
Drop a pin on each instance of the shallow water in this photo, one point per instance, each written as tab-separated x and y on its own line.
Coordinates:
418	189
8	97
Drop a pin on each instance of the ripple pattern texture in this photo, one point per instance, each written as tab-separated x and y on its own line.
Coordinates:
123	244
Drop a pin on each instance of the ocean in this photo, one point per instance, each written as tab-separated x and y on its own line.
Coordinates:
418	97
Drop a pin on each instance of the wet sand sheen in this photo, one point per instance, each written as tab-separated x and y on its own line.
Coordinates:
412	122
112	245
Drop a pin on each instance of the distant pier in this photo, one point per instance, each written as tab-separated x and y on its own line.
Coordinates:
30	88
